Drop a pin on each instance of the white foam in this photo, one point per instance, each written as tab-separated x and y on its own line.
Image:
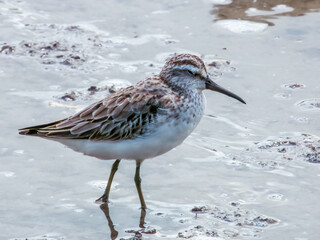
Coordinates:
282	8
220	2
242	26
100	184
19	151
160	12
275	10
7	174
48	236
282	172
143	39
256	12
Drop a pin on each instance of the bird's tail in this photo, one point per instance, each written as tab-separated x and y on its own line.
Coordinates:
34	130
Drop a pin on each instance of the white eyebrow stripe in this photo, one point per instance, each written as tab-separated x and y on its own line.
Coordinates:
204	73
192	69
187	67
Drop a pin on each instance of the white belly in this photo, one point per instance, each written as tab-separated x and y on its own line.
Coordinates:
166	134
164	139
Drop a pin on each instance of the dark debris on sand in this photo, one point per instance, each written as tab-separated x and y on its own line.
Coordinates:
275	152
240	222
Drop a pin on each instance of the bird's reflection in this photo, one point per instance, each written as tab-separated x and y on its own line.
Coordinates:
105	208
113	232
239	9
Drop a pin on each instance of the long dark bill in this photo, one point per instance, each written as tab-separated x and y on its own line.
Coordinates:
211	85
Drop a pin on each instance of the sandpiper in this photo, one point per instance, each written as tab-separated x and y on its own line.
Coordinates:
140	121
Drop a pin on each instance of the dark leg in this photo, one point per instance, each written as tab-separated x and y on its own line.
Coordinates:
142	217
137	180
105	196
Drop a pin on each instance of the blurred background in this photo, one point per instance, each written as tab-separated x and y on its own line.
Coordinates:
247	171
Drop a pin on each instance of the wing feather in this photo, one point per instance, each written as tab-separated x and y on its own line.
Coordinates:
122	115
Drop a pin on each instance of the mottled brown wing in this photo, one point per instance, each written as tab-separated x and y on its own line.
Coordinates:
122	115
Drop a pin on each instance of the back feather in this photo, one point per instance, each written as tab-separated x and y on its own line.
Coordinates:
122	115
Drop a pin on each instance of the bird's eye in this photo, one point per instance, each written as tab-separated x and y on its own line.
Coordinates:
192	73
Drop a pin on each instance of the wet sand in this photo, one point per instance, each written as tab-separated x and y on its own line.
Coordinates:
247	171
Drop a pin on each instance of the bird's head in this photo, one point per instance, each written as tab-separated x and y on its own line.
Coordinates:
184	72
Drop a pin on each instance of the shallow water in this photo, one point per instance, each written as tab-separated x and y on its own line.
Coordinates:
247	171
